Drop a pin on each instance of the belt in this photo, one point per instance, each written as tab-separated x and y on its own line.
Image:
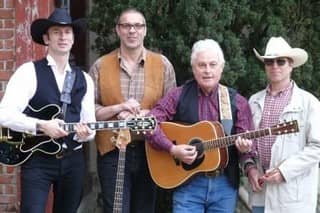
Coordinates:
67	152
214	173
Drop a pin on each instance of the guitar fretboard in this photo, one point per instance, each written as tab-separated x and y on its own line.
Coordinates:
230	140
117	204
70	127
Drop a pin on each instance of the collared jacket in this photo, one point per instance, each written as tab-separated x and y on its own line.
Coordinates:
297	155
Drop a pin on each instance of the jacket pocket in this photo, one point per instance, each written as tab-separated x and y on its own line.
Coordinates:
289	192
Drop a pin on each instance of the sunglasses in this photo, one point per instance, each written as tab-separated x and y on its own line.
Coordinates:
279	61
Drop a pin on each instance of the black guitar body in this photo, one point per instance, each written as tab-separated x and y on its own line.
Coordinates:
19	147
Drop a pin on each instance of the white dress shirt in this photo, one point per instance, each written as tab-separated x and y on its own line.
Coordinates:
22	87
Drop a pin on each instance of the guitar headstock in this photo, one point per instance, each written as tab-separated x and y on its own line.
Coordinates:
122	139
285	128
142	124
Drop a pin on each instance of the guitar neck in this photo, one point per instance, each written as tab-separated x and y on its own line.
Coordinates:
230	140
118	194
101	125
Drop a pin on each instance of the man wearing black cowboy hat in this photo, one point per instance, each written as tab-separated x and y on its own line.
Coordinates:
42	84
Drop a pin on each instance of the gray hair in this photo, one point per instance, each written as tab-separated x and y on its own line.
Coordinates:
206	44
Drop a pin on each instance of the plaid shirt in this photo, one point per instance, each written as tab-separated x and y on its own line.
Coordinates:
132	83
208	107
273	107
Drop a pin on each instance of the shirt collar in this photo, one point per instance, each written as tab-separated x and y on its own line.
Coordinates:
52	63
213	93
141	59
282	92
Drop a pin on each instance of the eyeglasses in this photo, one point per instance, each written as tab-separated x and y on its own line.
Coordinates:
279	61
127	26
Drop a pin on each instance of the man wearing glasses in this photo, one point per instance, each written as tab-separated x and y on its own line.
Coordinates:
128	82
284	178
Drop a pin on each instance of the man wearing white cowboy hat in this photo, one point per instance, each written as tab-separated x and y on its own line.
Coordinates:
39	85
284	178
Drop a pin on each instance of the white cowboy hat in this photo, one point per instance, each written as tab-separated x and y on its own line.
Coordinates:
277	47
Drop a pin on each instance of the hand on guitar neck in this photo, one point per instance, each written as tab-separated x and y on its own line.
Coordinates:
53	128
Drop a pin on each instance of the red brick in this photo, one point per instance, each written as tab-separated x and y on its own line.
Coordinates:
7	23
6	14
9	66
1	45
13	207
6	34
10	189
4	76
6	55
2	65
1	3
7	199
10	169
9	44
6	179
9	3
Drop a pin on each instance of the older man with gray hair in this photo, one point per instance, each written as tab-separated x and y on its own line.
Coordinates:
203	100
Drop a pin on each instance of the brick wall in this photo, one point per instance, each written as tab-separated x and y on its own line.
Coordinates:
16	48
7	42
9	181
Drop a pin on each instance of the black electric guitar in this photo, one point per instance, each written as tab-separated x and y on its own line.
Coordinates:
16	148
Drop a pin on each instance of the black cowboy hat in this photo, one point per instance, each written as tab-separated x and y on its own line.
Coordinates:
59	17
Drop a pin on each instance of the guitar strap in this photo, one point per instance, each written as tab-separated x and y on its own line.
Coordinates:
65	97
225	109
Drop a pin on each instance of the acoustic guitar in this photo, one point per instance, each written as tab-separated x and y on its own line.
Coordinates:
211	144
16	148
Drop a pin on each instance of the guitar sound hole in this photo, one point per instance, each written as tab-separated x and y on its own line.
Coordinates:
200	155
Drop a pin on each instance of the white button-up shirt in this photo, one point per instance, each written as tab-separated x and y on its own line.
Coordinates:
22	87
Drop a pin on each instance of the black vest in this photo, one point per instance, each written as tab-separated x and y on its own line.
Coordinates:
47	92
187	112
